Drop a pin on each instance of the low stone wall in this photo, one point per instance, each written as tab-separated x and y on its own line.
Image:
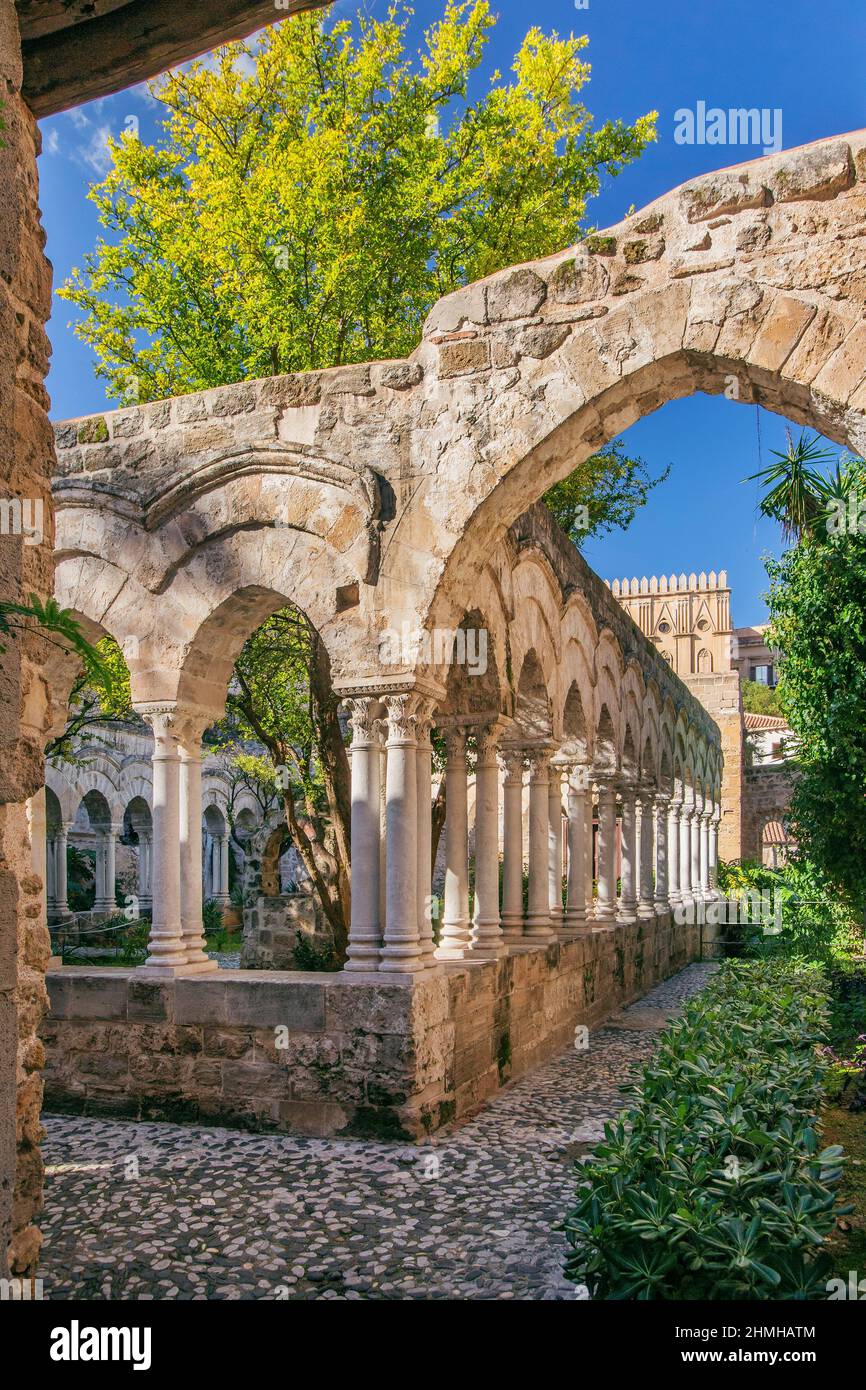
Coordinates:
271	930
325	1054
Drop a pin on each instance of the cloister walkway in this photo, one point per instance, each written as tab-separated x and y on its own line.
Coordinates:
137	1211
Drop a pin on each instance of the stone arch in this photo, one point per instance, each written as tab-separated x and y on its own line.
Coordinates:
606	742
532	703
576	742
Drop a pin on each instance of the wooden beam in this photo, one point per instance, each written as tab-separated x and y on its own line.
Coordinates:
99	56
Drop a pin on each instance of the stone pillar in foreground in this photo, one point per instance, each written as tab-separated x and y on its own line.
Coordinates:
454	940
627	907
512	833
662	901
365	930
538	924
645	902
605	906
487	940
166	947
189	748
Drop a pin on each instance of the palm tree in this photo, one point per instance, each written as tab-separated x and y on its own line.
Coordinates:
796	492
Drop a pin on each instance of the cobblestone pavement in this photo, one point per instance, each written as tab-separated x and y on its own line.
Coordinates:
137	1211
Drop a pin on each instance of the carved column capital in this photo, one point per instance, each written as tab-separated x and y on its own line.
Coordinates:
365	719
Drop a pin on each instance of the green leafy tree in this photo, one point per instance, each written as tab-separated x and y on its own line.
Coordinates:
761	699
817	604
317	191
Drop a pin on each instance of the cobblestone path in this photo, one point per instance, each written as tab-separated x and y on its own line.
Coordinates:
136	1211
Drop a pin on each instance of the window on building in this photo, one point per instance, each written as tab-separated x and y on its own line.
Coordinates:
763	675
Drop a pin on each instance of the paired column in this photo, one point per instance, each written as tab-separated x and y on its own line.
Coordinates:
106	869
627	907
512	829
674	812
554	806
646	805
424	787
704	866
365	932
61	903
576	799
190	808
538	922
662	899
695	846
686	813
605	907
714	849
486	940
402	952
166	946
454	939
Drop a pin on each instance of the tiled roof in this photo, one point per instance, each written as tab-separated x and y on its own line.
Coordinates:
763	721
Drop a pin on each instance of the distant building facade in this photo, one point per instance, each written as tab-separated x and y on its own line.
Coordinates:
688	617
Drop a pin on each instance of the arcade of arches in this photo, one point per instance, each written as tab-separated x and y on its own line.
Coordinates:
399	498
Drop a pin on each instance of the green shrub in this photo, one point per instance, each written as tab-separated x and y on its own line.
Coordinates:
311	957
712	1185
212	916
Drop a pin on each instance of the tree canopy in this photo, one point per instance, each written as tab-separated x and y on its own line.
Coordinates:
318	189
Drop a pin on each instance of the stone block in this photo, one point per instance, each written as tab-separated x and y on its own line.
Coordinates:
289	1003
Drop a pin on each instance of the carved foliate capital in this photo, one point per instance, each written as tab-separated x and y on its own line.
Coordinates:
407	713
365	719
511	761
165	724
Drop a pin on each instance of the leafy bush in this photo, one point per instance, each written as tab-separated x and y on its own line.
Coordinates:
712	1186
308	956
817	922
846	1050
212	916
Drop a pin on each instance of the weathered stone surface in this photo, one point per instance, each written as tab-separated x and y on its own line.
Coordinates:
820	171
578	280
515	294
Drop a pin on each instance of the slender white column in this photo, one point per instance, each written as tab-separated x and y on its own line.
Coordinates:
686	895
214	861
189	747
99	874
705	851
645	903
166	948
60	879
402	951
714	850
538	924
454	940
424	781
512	834
575	910
605	907
695	852
224	894
487	940
50	873
662	897
145	850
365	931
674	813
554	809
627	906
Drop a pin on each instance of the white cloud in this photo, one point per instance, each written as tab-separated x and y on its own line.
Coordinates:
51	144
96	154
78	118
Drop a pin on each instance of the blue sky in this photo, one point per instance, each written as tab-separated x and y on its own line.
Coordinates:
800	57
